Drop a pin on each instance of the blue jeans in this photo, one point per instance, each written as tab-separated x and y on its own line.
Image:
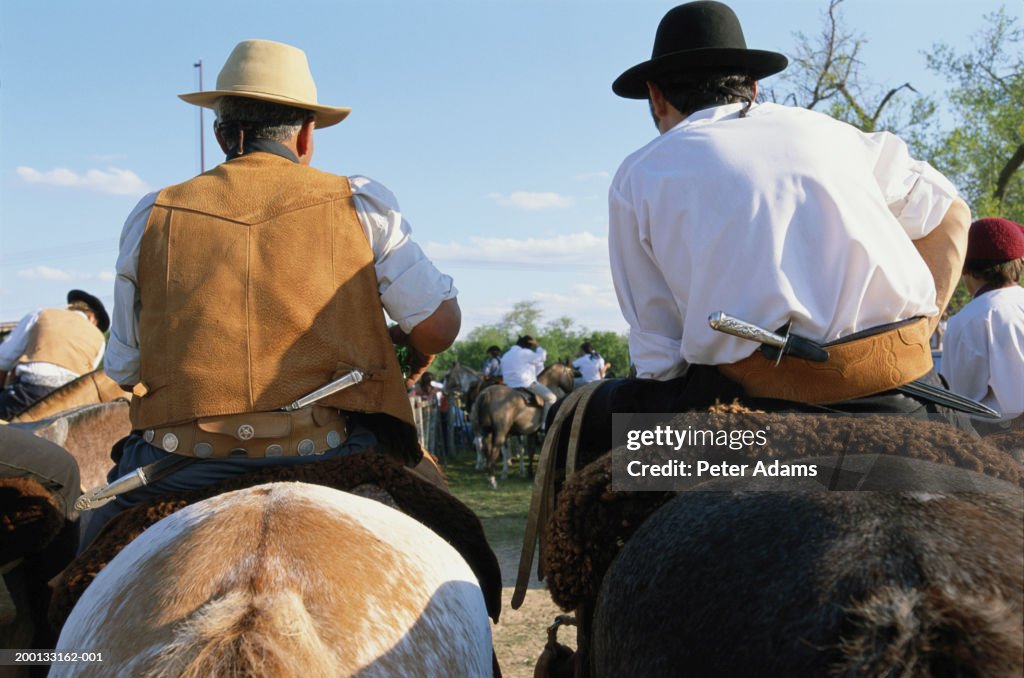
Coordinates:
203	473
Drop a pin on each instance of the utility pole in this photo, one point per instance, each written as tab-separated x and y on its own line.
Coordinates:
202	145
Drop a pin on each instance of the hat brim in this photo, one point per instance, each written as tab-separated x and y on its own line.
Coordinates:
325	115
102	319
756	63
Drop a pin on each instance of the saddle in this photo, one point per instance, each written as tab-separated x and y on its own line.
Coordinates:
413	495
531	398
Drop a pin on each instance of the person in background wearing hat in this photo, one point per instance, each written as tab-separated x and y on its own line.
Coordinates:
492	364
260	281
520	367
776	215
50	348
983	356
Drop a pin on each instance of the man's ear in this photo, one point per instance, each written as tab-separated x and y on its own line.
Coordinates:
304	142
220	139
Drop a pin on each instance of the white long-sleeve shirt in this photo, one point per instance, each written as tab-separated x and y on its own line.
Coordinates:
783	215
411	288
983	351
520	366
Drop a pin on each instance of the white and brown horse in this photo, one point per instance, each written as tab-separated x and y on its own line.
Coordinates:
285	579
501	411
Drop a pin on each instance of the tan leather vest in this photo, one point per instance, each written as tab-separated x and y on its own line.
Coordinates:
257	286
65	338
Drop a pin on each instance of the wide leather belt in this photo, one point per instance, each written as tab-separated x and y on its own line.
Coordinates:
857	367
308	431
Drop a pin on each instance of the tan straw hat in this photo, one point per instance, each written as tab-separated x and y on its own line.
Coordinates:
269	71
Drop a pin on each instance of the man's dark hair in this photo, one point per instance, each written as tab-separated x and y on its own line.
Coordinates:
258	119
691	92
587	347
996	273
493	349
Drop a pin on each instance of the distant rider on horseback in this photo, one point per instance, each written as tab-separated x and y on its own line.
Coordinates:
50	348
590	364
520	367
492	364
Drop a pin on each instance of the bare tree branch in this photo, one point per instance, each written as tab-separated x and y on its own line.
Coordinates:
1011	166
889	95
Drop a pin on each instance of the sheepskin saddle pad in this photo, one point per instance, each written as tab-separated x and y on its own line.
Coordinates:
29	518
591	522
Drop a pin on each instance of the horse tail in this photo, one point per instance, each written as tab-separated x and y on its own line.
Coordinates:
239	634
930	632
475	414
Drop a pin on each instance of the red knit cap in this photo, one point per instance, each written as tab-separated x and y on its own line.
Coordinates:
995	239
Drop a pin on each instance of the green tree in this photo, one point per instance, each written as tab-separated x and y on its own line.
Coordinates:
561	338
984	150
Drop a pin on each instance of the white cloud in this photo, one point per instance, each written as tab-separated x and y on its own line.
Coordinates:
44	273
106	276
580	296
112	180
560	253
525	200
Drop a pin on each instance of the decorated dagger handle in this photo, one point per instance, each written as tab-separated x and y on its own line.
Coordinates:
723	322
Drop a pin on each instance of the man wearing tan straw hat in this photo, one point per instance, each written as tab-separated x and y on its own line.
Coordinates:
260	281
983	356
779	216
50	348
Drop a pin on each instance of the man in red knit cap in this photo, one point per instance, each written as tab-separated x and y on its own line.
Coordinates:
984	344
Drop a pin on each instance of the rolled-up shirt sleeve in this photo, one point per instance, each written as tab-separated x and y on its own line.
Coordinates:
121	360
918	195
411	287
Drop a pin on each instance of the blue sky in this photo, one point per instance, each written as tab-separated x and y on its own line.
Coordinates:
493	122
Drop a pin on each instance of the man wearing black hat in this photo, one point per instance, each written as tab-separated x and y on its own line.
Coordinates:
51	347
776	215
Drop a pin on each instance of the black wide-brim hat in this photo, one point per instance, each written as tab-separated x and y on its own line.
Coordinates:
697	37
102	319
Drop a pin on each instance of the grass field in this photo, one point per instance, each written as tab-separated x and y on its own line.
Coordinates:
502	511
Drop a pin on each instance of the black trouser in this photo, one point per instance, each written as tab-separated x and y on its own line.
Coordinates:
19	396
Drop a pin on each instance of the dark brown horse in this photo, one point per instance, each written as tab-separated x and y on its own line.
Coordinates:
855	583
501	411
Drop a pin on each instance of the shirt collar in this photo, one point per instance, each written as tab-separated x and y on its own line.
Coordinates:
713	114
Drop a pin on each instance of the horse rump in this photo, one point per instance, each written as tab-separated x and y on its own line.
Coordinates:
818	583
284	579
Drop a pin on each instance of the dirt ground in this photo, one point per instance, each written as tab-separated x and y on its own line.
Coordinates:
520	635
